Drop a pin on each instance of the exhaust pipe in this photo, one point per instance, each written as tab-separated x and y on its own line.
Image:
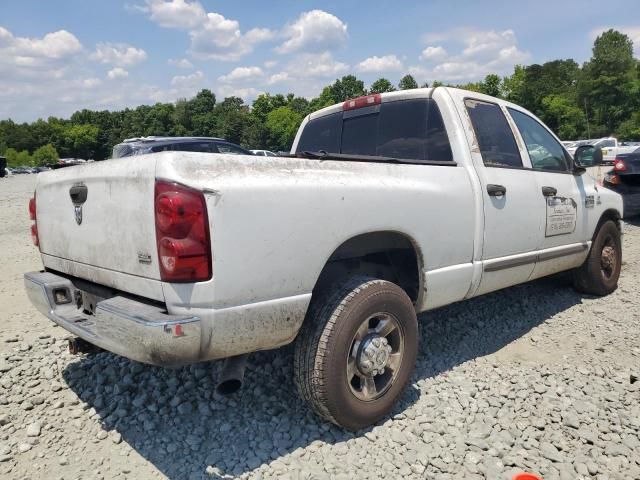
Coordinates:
79	345
232	375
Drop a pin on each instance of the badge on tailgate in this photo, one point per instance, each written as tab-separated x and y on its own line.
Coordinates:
78	193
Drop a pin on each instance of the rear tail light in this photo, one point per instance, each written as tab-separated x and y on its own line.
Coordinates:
182	233
34	225
361	102
34	235
619	165
32	208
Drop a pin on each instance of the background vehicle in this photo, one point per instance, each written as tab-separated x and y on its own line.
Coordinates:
389	205
144	145
609	145
3	166
264	153
625	180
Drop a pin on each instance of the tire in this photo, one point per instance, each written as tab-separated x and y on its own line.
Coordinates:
599	274
341	345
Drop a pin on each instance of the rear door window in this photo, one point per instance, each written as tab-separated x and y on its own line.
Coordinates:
405	129
497	145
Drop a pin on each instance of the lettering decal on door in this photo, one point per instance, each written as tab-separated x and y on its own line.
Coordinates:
561	216
590	201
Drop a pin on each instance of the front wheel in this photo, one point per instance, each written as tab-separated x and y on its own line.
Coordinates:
600	272
356	351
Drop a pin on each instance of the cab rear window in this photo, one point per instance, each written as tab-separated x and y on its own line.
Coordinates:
405	129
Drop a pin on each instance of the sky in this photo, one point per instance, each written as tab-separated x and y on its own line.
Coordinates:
57	57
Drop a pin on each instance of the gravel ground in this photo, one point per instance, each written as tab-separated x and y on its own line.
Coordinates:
534	378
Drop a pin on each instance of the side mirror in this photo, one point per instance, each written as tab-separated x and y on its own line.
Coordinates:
588	156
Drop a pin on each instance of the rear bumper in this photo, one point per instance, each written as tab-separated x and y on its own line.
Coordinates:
136	330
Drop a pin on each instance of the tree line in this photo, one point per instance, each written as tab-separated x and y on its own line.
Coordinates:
596	99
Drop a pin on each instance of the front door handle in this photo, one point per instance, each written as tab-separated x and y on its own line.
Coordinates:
549	191
496	190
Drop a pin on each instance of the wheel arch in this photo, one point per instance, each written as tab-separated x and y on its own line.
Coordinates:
387	254
610	214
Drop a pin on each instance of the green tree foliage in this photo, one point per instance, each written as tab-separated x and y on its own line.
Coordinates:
407	82
611	79
345	88
282	125
23	158
45	155
11	154
513	84
381	85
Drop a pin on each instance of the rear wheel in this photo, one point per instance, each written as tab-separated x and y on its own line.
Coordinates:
356	351
599	274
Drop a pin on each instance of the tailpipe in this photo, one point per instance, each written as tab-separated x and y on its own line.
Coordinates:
232	375
78	346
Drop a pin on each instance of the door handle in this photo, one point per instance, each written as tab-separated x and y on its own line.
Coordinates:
549	191
496	190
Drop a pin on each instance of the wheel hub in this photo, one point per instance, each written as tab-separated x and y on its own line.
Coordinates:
607	259
374	355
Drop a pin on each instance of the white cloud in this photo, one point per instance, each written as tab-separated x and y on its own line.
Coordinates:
27	51
387	63
181	14
479	52
633	31
188	81
221	39
213	36
180	63
91	82
315	30
433	53
116	73
241	73
278	78
316	65
270	63
118	54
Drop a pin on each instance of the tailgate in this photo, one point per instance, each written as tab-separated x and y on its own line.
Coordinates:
101	214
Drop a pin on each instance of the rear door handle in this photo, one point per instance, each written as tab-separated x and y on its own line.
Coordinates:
496	190
549	191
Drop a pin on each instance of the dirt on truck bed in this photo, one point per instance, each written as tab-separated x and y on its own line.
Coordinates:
534	378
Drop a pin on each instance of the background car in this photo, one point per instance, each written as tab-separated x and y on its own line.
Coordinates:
264	153
144	145
625	180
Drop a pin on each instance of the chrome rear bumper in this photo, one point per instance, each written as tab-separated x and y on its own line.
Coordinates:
133	329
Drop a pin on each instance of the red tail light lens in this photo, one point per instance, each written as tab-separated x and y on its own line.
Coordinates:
182	233
32	208
34	235
360	102
34	225
619	165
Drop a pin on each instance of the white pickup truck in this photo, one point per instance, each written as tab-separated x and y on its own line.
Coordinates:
389	205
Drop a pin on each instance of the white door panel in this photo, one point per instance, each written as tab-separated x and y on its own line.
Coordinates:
512	222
